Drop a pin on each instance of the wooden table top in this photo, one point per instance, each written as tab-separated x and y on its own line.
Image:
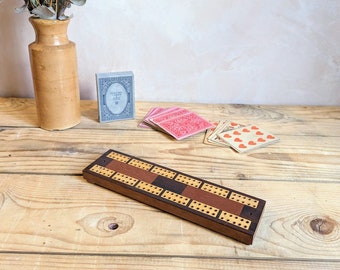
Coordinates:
52	218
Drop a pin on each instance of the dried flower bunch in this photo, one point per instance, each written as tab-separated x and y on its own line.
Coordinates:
49	9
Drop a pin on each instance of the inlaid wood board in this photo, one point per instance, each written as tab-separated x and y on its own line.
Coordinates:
224	210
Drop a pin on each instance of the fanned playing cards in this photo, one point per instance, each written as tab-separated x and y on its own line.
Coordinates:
247	138
178	122
221	126
181	123
242	138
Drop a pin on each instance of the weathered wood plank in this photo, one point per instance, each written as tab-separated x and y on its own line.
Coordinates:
111	261
33	150
65	214
302	121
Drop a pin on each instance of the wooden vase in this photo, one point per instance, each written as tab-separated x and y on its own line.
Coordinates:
55	75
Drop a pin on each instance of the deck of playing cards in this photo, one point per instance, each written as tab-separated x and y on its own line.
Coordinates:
240	137
115	91
178	122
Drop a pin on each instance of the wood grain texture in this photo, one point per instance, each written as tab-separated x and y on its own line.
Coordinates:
51	218
112	261
74	216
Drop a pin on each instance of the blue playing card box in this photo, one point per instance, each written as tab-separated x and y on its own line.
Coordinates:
115	92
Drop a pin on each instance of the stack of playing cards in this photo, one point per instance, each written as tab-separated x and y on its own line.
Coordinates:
178	122
242	138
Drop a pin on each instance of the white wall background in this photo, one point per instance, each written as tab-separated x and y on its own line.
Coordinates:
219	51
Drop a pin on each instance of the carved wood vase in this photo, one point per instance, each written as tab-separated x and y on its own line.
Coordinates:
55	75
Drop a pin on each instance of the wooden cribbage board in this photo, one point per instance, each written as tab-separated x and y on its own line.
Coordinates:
224	210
